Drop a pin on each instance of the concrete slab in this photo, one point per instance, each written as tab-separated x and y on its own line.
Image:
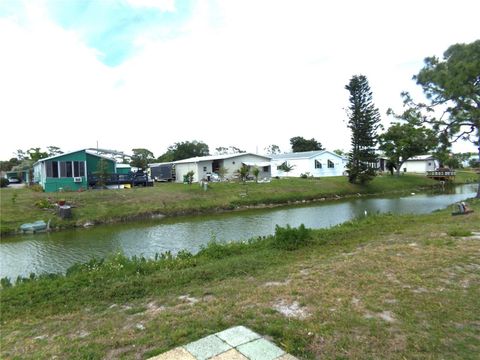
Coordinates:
175	354
230	355
260	349
207	347
237	335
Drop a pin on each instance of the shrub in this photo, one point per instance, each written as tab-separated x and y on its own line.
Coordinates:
4	182
289	238
459	232
43	204
36	188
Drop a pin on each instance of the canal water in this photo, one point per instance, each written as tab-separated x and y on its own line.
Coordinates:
57	251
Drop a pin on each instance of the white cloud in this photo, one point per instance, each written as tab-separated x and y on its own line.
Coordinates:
247	74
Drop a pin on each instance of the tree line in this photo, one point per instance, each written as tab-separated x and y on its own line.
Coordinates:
450	113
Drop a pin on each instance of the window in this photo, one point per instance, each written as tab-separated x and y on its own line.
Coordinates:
265	168
63	169
68	166
204	168
318	164
51	168
78	168
331	165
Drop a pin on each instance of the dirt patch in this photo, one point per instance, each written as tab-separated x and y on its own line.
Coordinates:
277	283
153	309
188	299
291	310
384	315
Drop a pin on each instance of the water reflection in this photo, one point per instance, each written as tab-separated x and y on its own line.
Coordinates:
55	252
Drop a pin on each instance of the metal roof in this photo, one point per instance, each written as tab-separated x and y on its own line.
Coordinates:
73	152
421	158
304	155
216	157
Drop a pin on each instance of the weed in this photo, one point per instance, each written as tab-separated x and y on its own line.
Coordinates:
459	232
288	238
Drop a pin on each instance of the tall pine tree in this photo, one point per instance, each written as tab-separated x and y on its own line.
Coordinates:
364	120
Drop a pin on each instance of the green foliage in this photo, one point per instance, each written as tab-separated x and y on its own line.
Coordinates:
222	150
36	154
288	238
474	163
54	150
451	86
459	232
102	172
364	120
4	182
285	167
403	141
44	204
300	144
189	176
272	149
36	188
5	283
243	172
184	150
141	158
255	173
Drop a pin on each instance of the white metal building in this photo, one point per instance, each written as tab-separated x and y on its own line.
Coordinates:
313	163
420	164
203	167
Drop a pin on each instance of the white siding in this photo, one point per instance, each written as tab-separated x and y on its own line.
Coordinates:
419	166
203	168
182	169
307	165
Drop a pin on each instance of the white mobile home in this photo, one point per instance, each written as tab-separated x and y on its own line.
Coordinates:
203	167
313	163
420	164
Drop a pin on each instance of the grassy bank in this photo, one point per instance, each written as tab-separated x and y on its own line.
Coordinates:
20	206
383	287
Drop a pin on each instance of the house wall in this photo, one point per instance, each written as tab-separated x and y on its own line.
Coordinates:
202	169
302	166
182	169
51	184
232	165
419	166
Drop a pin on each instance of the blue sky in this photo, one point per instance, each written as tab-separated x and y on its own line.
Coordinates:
111	27
250	73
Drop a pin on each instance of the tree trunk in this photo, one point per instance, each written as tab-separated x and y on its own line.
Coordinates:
478	175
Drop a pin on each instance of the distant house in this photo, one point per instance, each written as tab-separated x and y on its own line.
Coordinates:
315	163
69	171
203	167
420	164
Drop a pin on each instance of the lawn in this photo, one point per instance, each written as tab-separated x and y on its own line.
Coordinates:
390	287
19	206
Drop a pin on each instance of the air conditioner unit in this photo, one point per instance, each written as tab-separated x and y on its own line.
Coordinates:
77	179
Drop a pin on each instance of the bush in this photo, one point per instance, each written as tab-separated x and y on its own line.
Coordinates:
36	188
4	182
43	204
289	238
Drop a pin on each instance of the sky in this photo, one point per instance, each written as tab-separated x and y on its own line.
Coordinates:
124	74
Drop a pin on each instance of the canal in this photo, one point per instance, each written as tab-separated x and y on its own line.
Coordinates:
57	251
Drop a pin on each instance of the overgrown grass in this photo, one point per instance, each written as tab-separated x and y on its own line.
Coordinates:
382	287
19	206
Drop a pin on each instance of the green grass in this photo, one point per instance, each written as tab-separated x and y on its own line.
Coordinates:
385	286
19	206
